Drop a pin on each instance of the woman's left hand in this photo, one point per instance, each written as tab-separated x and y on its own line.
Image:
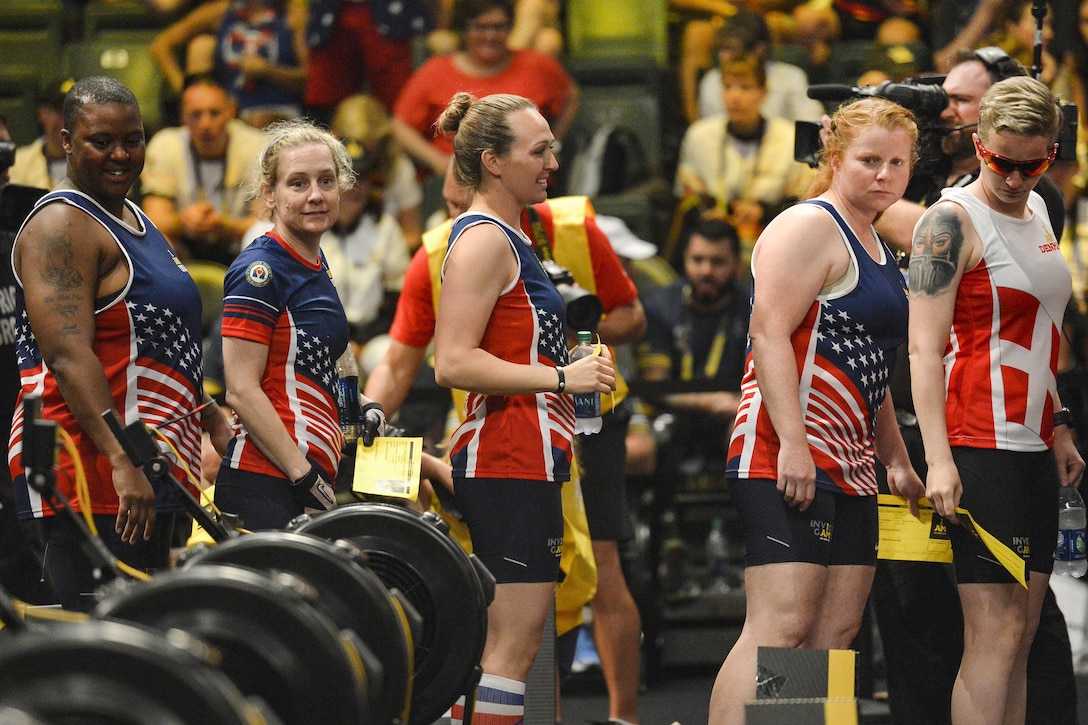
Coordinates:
592	374
1070	462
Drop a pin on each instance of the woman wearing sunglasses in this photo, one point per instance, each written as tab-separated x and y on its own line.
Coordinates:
988	289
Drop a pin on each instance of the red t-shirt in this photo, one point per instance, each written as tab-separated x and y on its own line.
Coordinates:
536	76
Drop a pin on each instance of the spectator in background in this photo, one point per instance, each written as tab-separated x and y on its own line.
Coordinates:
193	182
815	30
366	128
536	27
740	167
260	54
746	33
42	162
1075	73
361	47
956	26
1014	33
861	19
700	20
366	254
485	65
696	332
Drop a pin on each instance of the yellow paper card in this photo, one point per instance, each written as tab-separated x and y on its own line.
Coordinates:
390	467
905	538
1005	556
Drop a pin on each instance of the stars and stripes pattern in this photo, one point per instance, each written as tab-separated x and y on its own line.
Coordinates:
293	308
518	436
148	341
845	349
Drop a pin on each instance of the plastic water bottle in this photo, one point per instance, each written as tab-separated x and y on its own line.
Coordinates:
717	559
587	406
1070	557
347	396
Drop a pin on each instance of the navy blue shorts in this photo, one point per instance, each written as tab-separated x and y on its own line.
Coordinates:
1014	497
261	502
835	530
516	526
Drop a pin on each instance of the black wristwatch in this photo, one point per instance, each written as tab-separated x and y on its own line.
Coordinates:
1063	417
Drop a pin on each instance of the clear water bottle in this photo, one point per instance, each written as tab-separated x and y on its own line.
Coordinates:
1070	557
587	406
717	559
347	397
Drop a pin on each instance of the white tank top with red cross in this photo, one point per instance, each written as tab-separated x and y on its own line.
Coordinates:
1002	356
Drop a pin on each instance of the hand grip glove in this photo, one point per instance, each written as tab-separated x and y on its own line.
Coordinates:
313	493
373	418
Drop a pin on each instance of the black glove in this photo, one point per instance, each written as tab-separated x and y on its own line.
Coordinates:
373	418
313	492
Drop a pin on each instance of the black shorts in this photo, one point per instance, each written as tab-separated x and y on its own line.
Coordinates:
516	526
835	530
262	502
602	460
1014	497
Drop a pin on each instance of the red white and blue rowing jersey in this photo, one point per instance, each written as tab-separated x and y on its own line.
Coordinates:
1001	363
274	297
845	349
147	338
518	436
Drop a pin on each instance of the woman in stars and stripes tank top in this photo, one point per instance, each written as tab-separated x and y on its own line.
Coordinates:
829	309
500	335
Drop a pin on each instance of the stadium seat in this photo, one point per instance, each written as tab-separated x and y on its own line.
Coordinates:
101	18
126	57
617	29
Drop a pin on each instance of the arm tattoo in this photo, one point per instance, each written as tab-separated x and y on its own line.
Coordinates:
64	278
935	254
57	270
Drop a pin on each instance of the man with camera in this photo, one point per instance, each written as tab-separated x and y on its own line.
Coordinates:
582	261
916	603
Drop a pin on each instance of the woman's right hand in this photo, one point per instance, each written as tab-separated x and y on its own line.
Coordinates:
796	475
592	374
944	489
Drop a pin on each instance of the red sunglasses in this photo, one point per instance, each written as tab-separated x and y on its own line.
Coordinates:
1005	167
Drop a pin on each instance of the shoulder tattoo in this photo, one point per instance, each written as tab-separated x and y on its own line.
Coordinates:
57	268
935	251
